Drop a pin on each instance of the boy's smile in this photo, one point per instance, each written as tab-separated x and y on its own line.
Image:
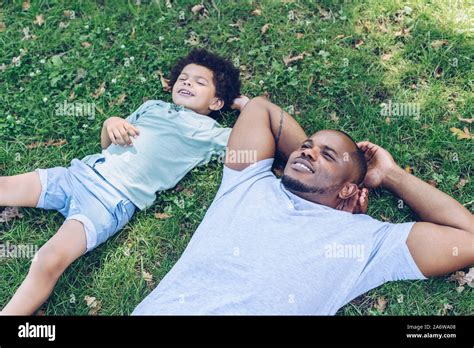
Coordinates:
195	90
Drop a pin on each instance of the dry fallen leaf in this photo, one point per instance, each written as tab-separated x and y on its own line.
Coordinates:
257	12
299	35
55	143
68	13
265	28
289	59
2	27
93	304
409	169
232	39
193	39
404	32
358	43
381	304
188	192
26	5
334	117
340	36
386	56
384	218
63	25
121	99
39	20
10	213
86	44
200	10
446	307
238	24
462	182
165	83
461	134
468	120
147	276
162	216
463	278
99	91
383	27
90	301
438	43
325	15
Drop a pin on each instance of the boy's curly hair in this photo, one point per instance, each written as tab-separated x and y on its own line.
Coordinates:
226	77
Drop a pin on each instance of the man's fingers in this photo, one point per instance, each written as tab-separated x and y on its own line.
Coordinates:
364	201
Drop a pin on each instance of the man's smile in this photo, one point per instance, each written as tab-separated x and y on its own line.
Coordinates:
302	165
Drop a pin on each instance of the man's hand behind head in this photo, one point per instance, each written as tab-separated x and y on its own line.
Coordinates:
357	204
379	164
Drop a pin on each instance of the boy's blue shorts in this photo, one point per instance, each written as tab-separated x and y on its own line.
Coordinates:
80	193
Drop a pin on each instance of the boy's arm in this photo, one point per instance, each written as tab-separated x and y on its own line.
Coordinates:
444	241
118	131
260	126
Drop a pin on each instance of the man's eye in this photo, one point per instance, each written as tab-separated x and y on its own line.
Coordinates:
181	78
200	83
328	156
305	146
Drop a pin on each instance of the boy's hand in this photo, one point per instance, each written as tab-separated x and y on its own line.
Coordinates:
240	102
120	131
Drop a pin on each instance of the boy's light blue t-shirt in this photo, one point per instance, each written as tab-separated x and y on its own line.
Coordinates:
172	141
261	250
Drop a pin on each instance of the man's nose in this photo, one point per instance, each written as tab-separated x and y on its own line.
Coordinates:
187	83
311	154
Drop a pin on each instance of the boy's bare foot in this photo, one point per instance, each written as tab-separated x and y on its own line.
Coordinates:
240	102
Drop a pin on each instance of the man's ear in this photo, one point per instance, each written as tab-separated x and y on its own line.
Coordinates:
216	104
348	190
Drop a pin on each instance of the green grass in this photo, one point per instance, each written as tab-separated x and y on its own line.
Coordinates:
335	78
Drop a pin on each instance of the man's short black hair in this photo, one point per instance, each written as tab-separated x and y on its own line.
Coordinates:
358	158
226	77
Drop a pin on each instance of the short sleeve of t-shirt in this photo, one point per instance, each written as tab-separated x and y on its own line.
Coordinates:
232	178
389	258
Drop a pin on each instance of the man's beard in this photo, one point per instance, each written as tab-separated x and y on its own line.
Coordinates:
297	186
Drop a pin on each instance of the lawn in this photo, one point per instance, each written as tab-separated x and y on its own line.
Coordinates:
330	64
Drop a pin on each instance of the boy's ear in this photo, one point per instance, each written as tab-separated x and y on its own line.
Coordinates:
216	104
348	190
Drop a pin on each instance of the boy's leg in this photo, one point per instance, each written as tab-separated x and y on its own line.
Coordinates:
22	190
50	262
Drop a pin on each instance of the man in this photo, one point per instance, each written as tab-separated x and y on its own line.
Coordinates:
270	246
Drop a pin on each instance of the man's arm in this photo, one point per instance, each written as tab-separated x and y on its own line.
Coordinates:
444	241
260	124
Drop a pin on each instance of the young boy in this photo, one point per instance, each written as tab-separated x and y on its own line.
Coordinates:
150	151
